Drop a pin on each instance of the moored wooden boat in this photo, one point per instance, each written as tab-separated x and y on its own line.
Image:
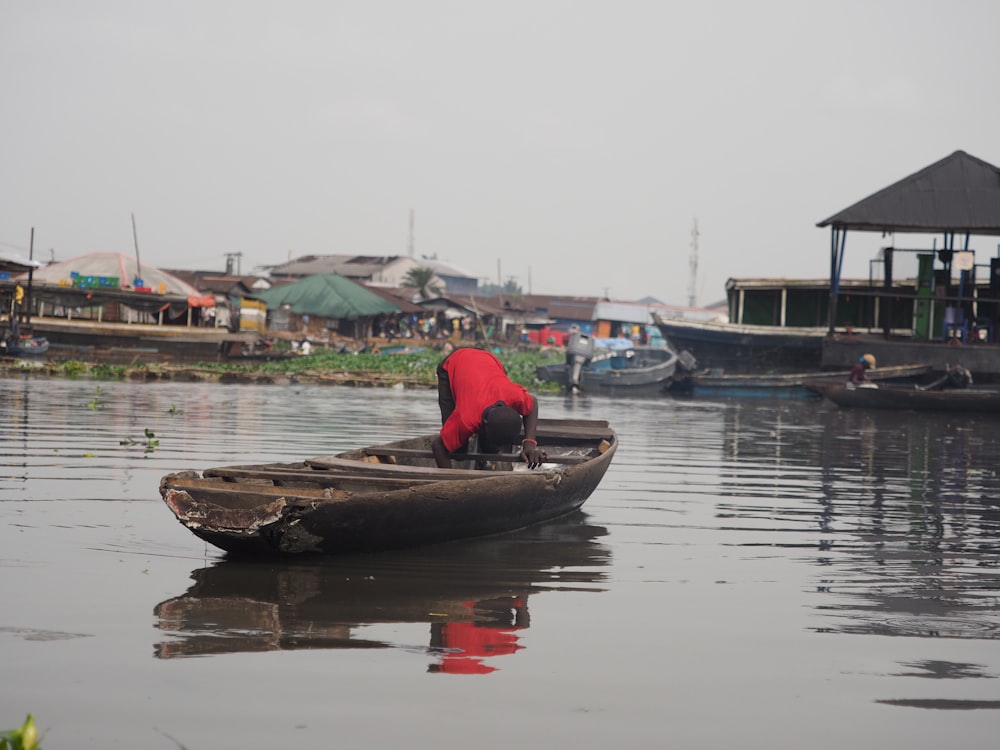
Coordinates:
388	496
631	370
783	384
25	346
976	399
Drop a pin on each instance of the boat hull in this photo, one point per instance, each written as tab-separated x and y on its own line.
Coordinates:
901	398
351	503
783	385
745	349
129	342
29	346
648	371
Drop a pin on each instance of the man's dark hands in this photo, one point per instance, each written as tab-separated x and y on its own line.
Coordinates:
531	455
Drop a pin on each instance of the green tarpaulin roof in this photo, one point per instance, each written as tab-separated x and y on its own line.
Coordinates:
327	295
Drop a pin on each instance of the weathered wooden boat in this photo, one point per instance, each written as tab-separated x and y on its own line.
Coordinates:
975	399
389	496
715	384
628	370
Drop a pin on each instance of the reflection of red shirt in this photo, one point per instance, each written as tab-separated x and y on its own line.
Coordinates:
477	380
473	642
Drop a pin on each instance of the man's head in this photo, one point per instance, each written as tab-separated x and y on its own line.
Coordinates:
501	424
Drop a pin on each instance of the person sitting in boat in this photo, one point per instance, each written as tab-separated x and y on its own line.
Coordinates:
858	378
477	398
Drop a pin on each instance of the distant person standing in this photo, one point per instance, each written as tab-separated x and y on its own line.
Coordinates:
17	302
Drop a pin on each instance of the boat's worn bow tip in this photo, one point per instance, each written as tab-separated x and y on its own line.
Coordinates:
201	515
177	476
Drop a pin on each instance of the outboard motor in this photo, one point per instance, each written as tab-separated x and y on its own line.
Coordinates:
958	377
955	376
579	350
686	362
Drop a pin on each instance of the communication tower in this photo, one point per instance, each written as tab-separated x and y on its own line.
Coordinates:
693	280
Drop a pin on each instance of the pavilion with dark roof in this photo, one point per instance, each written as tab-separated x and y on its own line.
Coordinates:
957	197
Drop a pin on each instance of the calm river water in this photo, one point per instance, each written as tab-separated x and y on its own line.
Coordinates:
750	574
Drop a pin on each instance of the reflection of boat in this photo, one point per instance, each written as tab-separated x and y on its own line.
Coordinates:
900	397
781	385
474	596
389	496
741	348
612	366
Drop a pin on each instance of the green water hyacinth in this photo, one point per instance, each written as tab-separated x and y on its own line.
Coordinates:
25	738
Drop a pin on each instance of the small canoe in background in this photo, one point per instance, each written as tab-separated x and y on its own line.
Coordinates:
782	385
26	346
974	399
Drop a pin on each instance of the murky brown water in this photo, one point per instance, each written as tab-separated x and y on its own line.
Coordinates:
749	574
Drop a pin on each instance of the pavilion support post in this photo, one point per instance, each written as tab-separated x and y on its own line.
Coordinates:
837	240
886	311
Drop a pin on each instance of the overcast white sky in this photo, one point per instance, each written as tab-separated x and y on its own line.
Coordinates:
570	144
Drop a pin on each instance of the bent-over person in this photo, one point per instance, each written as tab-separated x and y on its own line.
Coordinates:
477	398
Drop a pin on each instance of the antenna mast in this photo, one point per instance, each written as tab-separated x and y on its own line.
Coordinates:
411	248
693	281
230	258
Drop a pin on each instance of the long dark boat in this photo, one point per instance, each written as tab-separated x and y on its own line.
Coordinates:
740	348
388	496
782	384
975	399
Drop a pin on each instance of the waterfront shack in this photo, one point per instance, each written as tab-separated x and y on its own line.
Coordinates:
110	306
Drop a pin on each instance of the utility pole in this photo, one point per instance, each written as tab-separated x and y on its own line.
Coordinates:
135	241
693	280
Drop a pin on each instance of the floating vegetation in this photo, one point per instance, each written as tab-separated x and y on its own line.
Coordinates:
23	738
95	403
74	367
409	369
108	372
150	444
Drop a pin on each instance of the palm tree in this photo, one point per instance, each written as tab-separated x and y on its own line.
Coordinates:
422	279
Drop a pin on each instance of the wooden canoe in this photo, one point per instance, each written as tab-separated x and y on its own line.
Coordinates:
388	496
981	400
783	384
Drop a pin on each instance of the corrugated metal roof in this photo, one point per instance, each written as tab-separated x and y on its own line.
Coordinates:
959	194
14	263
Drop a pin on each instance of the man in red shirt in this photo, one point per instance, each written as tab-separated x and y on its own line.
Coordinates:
477	398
